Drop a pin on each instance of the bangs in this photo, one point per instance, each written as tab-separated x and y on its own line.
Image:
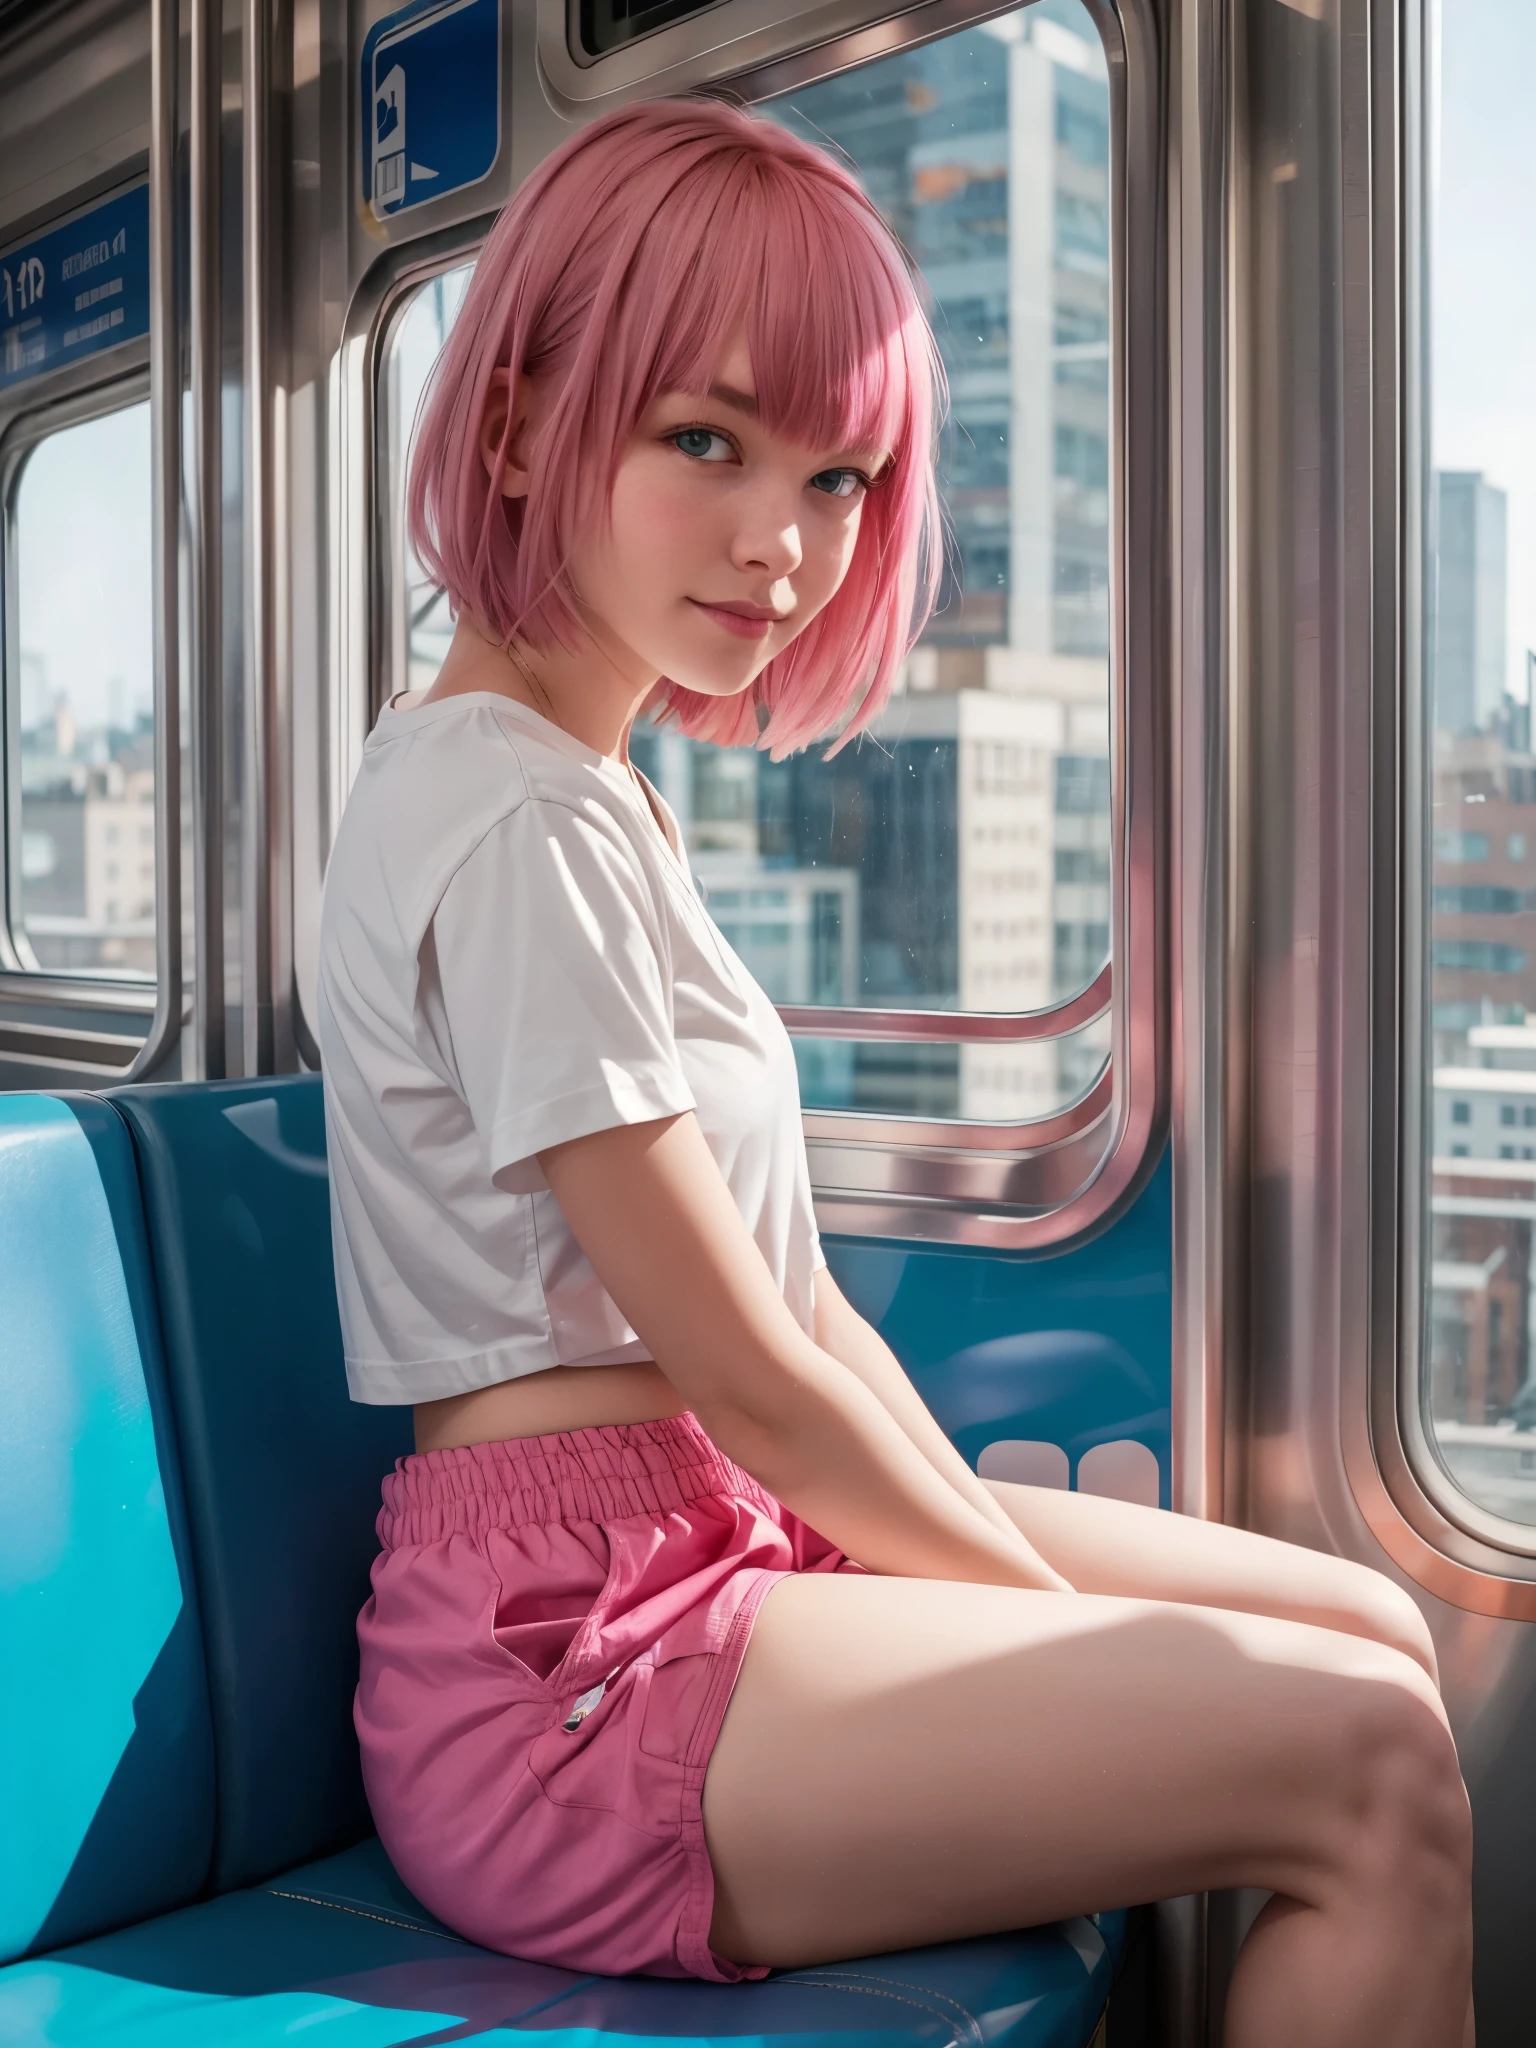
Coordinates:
825	314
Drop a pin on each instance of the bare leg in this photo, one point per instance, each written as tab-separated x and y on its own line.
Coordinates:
907	1761
1111	1546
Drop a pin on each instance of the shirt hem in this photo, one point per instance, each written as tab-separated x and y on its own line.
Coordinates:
382	1383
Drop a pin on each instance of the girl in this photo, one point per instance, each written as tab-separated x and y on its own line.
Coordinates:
695	1648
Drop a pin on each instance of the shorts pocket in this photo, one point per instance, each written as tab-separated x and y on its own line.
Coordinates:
548	1586
674	1700
600	1764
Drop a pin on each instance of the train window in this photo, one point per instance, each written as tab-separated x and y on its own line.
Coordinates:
79	701
1479	516
957	858
420	623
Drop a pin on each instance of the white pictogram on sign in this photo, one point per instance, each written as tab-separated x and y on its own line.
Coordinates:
389	142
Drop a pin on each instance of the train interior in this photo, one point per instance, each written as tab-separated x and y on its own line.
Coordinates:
1155	965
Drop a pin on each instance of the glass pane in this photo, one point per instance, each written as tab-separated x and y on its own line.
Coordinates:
956	857
1480	629
84	899
422	625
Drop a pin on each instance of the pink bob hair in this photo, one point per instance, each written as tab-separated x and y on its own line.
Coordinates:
621	270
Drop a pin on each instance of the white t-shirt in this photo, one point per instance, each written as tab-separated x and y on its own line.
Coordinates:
511	955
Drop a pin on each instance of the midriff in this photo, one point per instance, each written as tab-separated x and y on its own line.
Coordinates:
544	1403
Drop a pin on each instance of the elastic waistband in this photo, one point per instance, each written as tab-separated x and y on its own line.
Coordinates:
578	1475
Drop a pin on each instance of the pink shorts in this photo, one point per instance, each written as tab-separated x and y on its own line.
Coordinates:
555	1629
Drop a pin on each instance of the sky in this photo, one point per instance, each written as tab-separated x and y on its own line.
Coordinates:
1483	276
84	568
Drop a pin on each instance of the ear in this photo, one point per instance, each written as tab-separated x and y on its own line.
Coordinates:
515	396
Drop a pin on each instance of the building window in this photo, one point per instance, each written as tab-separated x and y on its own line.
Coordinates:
80	705
1480	899
1506	1113
1478	956
957	858
1456	849
1461	1112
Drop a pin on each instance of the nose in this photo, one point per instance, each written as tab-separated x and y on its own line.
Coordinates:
766	541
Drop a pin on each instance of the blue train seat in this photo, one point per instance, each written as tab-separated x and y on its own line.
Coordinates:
106	1748
188	1503
282	1469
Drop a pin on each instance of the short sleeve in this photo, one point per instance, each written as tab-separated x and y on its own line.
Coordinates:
551	963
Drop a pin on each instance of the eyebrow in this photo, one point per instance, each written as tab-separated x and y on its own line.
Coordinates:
740	401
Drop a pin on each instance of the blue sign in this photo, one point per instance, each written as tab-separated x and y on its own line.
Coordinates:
431	102
76	290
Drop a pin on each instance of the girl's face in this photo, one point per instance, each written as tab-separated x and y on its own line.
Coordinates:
724	541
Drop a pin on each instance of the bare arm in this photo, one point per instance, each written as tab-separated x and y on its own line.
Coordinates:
652	1212
841	1330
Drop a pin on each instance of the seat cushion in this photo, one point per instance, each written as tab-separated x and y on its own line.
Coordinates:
282	1470
106	1780
342	1947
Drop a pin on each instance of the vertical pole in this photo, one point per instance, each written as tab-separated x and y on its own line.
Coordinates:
206	1057
165	518
1207	979
259	695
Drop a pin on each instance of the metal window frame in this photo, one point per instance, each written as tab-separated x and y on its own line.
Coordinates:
1023	1187
186	539
90	399
1464	1552
732	41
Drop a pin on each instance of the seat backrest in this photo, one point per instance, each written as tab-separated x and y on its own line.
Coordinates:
106	1760
282	1469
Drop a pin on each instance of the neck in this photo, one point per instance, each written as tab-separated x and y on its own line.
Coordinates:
593	692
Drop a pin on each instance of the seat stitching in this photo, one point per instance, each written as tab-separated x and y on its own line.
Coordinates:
852	1983
923	1991
384	1919
868	1991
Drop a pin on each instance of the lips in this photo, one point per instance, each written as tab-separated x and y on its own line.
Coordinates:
746	621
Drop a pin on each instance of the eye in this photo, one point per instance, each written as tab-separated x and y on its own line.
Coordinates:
703	444
839	483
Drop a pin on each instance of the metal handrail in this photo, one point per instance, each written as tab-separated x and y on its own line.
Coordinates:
165	497
205	549
946	1027
255	794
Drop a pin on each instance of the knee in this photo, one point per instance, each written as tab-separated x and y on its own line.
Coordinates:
1406	1821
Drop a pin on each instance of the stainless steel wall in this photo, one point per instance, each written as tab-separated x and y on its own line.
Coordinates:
1300	903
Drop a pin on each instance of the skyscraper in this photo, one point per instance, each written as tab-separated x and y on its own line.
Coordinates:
1471	601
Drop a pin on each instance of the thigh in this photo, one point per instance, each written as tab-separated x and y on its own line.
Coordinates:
1113	1546
908	1760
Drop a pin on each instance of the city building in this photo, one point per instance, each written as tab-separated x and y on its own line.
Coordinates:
1485	1106
88	845
1483	905
1471	601
954	857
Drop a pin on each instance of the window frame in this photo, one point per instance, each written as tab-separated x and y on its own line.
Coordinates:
1471	1539
1028	1186
23	430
